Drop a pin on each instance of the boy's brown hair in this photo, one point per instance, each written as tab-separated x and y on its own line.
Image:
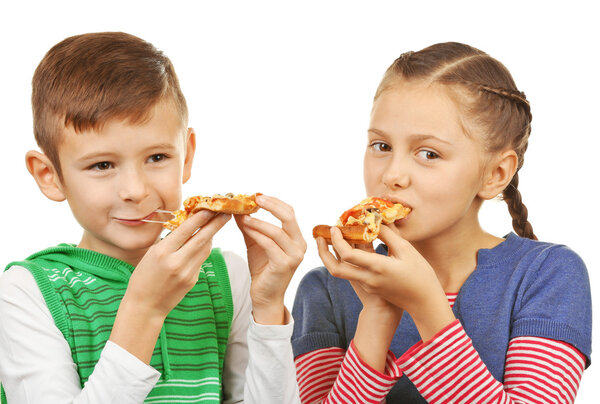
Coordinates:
488	97
87	80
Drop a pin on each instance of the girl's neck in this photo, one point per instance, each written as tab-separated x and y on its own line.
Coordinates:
453	254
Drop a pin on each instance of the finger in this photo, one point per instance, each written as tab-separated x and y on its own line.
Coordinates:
277	234
394	241
186	230
283	212
239	221
204	235
348	254
274	253
336	268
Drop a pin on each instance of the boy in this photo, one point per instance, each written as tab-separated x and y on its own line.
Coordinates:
82	323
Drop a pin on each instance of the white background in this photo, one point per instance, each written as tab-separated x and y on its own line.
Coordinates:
280	94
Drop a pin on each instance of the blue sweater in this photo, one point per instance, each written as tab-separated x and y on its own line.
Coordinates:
519	288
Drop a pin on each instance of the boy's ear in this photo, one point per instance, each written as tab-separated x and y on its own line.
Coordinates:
190	150
45	174
499	174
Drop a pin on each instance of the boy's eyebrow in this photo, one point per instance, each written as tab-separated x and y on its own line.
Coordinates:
417	137
161	146
95	155
110	154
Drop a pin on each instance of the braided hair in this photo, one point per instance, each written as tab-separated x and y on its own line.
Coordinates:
488	97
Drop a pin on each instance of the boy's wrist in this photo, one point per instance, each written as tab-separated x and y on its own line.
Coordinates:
271	314
136	329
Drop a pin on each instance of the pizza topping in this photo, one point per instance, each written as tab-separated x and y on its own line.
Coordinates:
229	203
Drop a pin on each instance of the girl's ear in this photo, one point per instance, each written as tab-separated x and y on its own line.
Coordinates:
190	150
45	174
499	174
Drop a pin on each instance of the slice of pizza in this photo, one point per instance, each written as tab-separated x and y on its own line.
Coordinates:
361	223
239	204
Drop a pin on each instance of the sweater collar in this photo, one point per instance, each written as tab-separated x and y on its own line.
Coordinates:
90	261
504	251
486	256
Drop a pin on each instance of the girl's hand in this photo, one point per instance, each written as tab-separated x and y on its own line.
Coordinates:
403	278
337	267
166	273
379	319
274	253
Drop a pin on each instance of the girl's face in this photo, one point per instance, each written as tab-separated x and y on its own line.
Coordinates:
418	154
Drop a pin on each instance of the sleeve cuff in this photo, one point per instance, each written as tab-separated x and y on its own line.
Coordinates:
434	344
272	332
391	372
130	364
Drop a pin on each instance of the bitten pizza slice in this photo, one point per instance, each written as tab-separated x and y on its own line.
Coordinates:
239	204
361	223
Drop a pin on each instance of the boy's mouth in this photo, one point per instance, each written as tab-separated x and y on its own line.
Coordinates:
135	222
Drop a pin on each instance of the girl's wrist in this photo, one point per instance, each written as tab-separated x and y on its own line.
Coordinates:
386	316
432	317
374	334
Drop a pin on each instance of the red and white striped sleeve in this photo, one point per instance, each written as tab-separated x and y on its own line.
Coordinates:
316	372
447	369
333	375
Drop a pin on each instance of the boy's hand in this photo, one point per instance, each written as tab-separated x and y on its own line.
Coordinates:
171	267
403	278
274	253
162	278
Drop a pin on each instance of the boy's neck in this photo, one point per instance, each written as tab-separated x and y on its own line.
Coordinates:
132	257
454	256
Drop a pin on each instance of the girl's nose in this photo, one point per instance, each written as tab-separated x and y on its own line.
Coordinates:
133	185
396	174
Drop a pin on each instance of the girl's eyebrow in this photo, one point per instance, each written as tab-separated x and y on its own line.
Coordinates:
414	137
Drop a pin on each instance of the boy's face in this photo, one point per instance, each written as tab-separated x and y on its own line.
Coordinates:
114	177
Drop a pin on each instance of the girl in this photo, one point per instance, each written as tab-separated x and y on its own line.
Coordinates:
444	311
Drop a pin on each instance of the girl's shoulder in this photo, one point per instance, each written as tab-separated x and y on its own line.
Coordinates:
525	255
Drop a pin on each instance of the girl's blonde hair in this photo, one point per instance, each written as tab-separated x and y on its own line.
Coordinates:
488	98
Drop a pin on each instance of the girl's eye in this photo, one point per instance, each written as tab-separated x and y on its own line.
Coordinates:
380	147
155	158
428	155
101	166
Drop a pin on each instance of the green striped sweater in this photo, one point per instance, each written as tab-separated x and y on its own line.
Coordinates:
83	290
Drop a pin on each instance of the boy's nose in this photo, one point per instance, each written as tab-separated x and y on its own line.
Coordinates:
133	185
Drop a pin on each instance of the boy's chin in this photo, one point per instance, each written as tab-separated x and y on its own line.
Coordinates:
124	246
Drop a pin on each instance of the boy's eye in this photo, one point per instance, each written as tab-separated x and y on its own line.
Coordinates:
380	147
155	158
101	166
428	155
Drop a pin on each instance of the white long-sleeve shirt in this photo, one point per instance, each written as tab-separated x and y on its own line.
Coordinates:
36	364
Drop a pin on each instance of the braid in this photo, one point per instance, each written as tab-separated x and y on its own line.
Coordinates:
517	209
513	95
